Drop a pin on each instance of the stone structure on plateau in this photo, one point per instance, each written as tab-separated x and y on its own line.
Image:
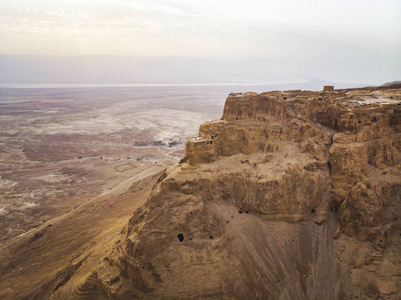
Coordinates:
328	88
291	195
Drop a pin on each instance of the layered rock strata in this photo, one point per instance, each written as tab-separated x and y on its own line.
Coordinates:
291	195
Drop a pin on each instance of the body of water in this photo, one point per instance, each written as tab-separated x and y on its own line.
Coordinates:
102	85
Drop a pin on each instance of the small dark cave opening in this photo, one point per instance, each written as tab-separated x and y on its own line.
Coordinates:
180	237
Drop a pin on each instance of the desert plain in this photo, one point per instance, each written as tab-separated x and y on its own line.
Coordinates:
63	147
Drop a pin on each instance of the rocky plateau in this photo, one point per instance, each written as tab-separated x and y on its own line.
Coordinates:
290	195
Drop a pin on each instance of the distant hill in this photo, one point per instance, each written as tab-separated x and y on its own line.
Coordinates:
392	85
392	82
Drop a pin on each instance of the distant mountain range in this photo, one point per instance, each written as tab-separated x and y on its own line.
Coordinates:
103	69
128	69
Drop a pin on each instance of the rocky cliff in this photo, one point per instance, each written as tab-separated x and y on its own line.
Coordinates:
291	195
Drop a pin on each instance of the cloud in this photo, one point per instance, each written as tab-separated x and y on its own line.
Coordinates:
321	33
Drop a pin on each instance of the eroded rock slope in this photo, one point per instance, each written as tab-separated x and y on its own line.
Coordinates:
292	195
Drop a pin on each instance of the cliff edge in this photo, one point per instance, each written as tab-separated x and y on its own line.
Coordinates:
291	195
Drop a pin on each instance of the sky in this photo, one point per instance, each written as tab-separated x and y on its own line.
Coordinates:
314	35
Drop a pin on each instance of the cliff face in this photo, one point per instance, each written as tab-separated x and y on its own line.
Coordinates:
291	195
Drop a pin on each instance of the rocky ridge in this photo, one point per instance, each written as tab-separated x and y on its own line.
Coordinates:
291	195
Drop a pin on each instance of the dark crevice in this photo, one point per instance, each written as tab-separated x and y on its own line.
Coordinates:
180	237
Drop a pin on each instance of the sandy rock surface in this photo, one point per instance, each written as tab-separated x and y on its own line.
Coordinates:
291	195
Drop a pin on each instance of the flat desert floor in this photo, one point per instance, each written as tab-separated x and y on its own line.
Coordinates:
63	148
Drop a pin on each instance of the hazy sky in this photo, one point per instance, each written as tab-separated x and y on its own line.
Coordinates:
336	31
